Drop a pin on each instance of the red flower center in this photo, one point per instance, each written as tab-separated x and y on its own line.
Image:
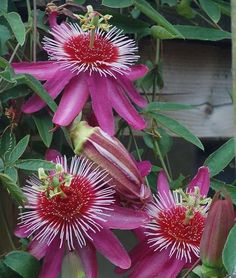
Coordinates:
101	55
76	201
174	228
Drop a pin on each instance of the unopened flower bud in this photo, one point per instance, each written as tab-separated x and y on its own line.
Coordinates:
107	152
219	221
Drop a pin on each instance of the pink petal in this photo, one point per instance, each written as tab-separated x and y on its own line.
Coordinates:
100	102
53	260
128	87
124	218
139	233
150	265
110	247
202	180
123	106
41	70
52	18
136	254
88	256
136	72
53	87
73	100
51	155
38	249
21	231
164	190
144	167
172	268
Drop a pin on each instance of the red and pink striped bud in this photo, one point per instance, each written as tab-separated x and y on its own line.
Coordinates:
219	221
107	152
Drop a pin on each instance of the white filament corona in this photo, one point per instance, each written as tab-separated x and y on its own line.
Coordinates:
46	226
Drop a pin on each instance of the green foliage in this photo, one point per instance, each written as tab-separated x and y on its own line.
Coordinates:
44	125
34	164
229	252
219	159
17	26
117	4
13	189
18	150
166	106
220	185
202	33
177	128
154	15
211	9
5	36
22	263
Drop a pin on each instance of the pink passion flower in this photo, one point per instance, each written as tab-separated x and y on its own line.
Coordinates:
104	72
70	211
171	240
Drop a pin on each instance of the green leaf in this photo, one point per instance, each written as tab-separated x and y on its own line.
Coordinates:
44	125
7	143
127	23
13	189
5	36
171	3
224	7
220	185
229	252
80	2
7	75
202	33
4	63
117	4
178	129
11	172
13	93
1	165
23	263
165	141
37	87
166	106
34	164
17	26
219	159
184	9
4	6
18	150
159	32
6	272
211	9
151	13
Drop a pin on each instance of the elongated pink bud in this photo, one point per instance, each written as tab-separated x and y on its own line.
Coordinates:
219	221
107	152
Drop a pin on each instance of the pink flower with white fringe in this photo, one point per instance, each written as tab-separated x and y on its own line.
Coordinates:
71	209
104	72
171	240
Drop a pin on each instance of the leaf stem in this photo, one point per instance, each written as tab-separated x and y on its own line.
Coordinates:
35	32
138	153
14	53
158	151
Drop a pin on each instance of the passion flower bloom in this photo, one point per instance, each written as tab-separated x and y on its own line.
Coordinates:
108	152
104	72
72	209
171	240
